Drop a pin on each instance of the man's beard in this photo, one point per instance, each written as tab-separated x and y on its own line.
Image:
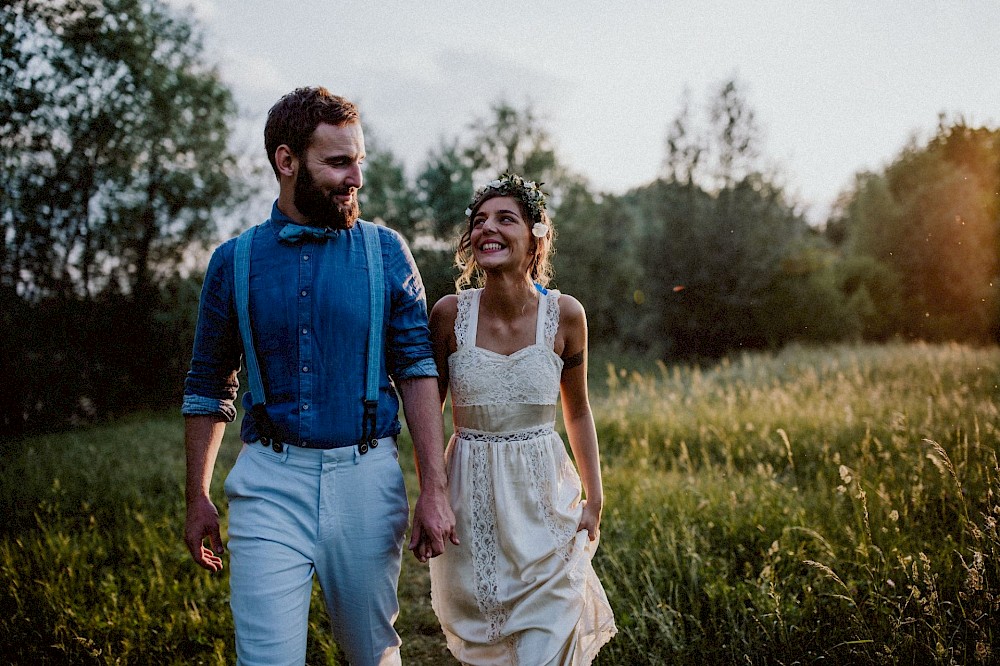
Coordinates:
321	210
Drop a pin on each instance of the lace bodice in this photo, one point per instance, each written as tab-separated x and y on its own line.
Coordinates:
529	376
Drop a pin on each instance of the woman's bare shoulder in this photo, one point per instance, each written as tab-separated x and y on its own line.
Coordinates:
571	309
445	309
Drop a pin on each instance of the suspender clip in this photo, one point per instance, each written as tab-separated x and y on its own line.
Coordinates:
368	439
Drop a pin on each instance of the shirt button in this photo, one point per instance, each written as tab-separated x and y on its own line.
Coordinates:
305	331
303	292
305	407
305	368
305	443
305	257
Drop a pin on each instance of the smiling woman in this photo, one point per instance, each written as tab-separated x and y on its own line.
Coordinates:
521	201
500	235
520	588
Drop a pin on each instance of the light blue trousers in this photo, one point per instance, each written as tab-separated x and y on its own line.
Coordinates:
335	514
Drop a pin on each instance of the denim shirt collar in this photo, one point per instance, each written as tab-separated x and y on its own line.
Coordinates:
278	219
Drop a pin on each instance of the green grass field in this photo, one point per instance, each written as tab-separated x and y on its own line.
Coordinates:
834	506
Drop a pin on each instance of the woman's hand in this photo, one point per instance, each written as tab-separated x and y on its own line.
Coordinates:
590	520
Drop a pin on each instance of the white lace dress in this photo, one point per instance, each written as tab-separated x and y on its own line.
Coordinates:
520	589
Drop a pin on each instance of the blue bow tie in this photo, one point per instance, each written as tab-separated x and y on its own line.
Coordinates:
296	233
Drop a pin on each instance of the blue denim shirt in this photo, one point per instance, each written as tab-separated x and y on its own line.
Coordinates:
309	317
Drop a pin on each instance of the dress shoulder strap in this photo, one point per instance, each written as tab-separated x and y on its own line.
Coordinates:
467	318
548	318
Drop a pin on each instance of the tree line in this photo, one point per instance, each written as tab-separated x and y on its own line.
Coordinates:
116	166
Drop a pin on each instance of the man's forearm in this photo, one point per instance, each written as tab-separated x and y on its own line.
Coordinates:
422	410
202	440
433	519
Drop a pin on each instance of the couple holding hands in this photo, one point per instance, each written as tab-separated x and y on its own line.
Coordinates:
328	314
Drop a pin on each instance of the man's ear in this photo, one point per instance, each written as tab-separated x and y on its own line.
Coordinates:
286	161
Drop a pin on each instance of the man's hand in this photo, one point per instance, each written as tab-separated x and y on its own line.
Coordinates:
433	519
203	522
433	524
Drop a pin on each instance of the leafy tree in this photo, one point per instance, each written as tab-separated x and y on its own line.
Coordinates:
386	195
684	151
728	263
113	161
445	186
596	260
873	292
114	135
737	135
509	139
512	140
931	221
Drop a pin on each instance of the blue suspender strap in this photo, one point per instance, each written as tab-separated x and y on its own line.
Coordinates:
242	288
241	284
376	295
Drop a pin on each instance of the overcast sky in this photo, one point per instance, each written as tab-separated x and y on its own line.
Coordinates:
837	87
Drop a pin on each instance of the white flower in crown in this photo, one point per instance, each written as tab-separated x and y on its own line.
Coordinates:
539	230
527	191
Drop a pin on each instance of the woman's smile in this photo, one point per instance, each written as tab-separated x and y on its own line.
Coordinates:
500	236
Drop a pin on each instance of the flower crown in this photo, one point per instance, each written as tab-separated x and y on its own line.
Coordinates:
527	192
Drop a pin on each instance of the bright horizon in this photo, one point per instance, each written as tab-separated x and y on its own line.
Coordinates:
837	88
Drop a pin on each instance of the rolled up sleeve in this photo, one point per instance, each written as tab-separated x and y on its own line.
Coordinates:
199	405
211	385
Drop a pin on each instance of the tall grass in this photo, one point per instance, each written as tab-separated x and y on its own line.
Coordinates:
833	506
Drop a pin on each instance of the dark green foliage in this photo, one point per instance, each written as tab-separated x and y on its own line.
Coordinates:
386	196
71	361
113	136
739	269
445	188
512	141
596	261
711	258
873	293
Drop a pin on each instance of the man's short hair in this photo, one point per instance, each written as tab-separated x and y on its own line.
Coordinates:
294	118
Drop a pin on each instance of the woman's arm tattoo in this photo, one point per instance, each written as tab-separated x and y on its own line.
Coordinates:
573	361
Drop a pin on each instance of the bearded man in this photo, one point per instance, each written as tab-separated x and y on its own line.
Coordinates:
317	489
